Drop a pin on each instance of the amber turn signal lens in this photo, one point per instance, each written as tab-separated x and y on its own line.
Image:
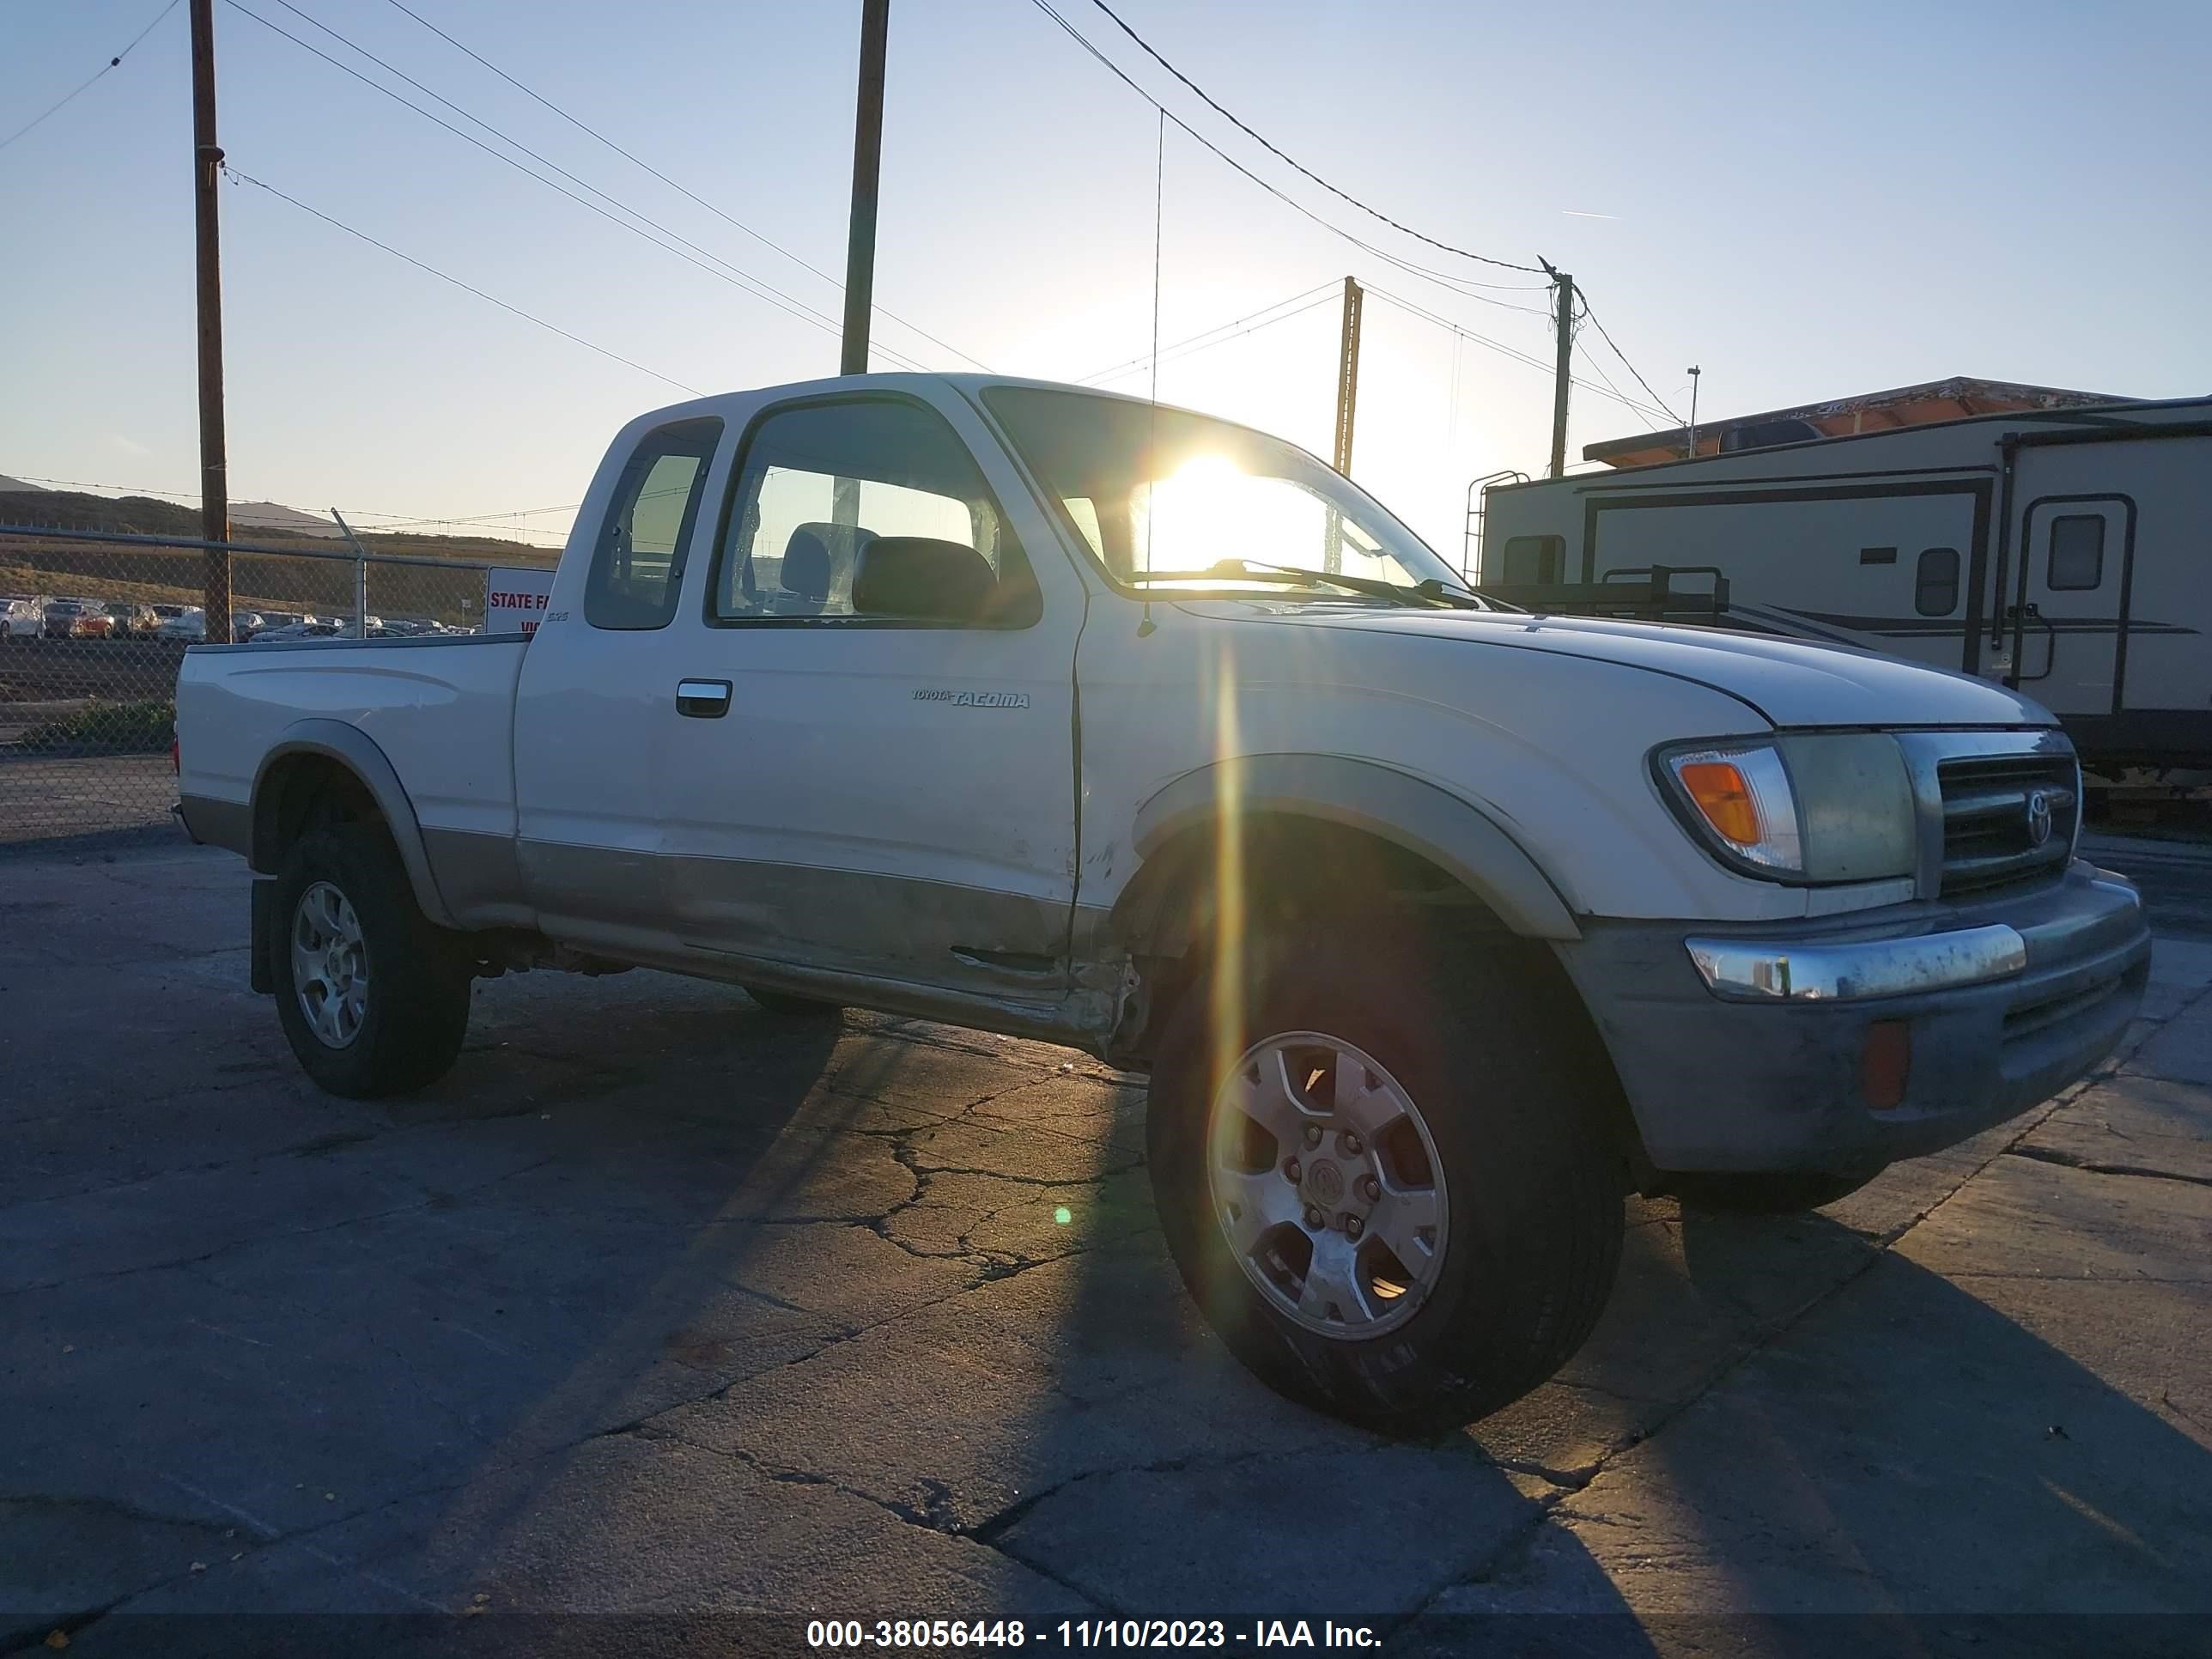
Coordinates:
1723	795
1886	1064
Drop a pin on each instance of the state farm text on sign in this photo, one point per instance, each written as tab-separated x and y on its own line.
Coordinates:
514	599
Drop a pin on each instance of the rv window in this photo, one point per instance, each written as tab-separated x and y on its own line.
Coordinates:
1532	558
1877	556
2077	551
1935	583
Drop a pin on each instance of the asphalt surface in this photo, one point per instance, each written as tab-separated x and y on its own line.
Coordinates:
665	1325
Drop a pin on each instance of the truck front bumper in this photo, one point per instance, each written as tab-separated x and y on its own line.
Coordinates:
1767	1047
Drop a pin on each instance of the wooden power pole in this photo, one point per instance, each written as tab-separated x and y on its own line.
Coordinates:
1561	374
867	167
215	471
1347	378
1347	405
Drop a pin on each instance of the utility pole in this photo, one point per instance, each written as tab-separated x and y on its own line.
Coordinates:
867	165
1565	286
215	471
1347	377
1347	405
1694	371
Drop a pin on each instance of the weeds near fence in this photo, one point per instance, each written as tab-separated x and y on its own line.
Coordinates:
107	728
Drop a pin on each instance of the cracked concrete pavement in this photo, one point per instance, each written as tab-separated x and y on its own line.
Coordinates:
666	1307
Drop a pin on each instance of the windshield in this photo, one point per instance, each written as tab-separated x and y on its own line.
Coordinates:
1159	494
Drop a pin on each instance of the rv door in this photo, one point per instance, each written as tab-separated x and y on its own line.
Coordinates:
2068	620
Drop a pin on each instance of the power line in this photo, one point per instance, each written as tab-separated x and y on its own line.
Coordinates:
71	97
1500	346
1598	369
693	196
1457	285
1280	155
1172	355
551	328
1131	365
744	282
1591	317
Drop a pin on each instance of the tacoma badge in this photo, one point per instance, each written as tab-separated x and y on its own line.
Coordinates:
975	699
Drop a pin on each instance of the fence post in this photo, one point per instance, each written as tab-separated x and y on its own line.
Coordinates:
360	577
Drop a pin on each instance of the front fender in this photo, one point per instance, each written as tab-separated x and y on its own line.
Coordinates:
1450	832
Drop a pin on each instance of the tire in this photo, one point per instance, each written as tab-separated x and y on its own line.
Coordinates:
785	1006
1530	1203
413	1006
1788	1192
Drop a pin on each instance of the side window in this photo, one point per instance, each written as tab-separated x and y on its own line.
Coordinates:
1534	558
2077	551
1935	582
637	566
818	481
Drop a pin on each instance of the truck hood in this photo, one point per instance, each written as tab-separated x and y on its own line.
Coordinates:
1788	682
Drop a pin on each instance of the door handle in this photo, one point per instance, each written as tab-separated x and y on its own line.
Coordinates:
702	700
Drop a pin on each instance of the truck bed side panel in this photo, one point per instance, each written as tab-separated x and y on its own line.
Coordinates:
441	711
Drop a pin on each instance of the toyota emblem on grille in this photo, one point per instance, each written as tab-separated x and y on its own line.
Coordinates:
2039	816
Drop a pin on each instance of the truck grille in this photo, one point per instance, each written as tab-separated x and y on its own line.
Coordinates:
1990	818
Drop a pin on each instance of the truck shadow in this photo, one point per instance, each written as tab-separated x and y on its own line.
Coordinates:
739	1306
1852	1453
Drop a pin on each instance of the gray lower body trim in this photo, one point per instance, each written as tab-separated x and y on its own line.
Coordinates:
969	955
480	876
861	922
224	823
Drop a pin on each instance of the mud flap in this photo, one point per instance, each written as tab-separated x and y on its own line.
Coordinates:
258	973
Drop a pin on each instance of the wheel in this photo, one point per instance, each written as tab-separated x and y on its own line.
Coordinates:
1386	1182
373	997
787	1006
1783	1192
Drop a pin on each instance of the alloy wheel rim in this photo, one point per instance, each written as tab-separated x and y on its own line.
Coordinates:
330	965
1327	1186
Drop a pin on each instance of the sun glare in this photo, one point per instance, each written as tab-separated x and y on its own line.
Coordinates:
1210	509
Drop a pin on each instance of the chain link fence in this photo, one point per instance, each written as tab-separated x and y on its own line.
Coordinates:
93	627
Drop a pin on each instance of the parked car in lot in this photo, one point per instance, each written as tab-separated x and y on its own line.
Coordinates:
77	619
312	628
22	617
245	624
1438	926
132	622
187	623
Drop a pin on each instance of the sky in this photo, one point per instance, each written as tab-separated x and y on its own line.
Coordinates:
1806	202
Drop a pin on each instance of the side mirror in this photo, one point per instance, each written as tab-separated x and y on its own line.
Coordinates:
923	579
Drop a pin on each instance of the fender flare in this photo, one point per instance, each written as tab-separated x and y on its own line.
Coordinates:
1448	831
358	752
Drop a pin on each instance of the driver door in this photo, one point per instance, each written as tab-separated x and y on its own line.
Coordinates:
864	793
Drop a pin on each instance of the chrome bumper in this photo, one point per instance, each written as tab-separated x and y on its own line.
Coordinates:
1753	970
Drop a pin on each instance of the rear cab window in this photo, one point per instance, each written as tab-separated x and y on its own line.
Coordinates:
637	563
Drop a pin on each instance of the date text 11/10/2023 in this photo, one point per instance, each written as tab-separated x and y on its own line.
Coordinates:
941	1634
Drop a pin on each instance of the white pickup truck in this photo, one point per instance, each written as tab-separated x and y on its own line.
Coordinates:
1439	927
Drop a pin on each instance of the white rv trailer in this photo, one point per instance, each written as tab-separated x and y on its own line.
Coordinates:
2067	552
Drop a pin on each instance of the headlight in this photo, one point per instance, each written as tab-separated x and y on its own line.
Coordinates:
1819	807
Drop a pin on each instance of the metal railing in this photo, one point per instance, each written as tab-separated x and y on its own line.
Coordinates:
1644	593
93	626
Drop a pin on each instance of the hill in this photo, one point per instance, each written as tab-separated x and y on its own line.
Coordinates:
141	516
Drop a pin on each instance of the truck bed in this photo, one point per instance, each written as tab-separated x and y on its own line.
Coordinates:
442	709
